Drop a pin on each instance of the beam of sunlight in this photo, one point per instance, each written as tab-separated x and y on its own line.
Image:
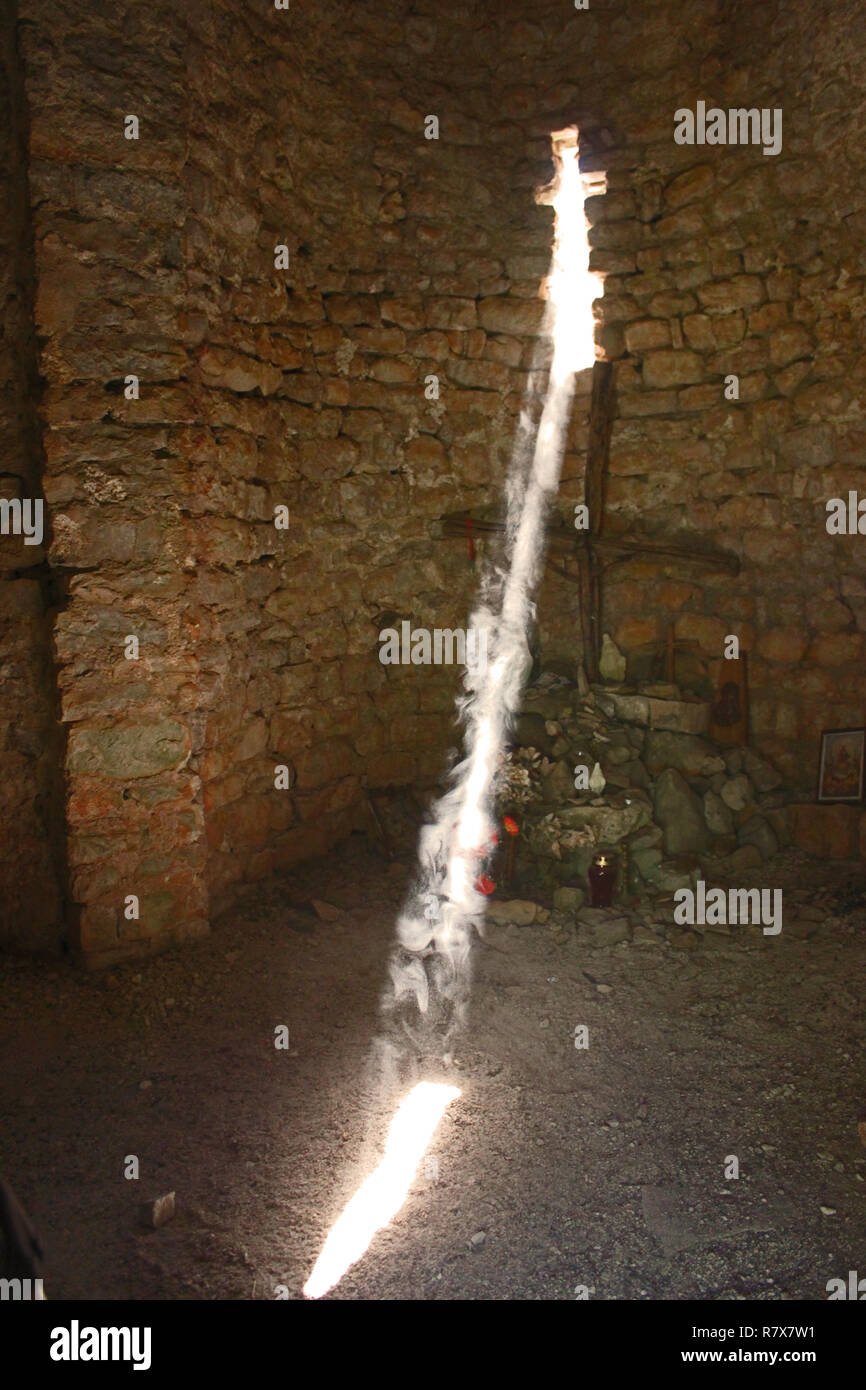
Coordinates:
464	818
430	965
572	286
381	1196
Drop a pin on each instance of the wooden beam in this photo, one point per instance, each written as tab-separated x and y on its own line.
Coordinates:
633	549
598	444
561	541
557	538
601	410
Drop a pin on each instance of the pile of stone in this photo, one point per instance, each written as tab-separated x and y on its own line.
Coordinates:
666	803
809	913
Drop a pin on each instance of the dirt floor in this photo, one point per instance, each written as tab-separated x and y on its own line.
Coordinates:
558	1168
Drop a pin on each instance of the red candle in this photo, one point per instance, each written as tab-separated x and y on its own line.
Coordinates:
602	881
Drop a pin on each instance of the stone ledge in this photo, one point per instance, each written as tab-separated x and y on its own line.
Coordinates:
673	716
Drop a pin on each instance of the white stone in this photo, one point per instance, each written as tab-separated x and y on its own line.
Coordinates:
519	911
611	663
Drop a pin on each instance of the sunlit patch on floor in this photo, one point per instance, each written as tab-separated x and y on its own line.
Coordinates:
381	1196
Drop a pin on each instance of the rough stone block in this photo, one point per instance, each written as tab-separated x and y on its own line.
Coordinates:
128	751
680	716
685	752
717	814
786	645
757	831
789	343
673	368
454	312
236	372
647	333
522	913
690	186
726	296
680	814
502	315
568	899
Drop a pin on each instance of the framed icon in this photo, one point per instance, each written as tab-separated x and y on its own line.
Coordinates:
840	770
729	715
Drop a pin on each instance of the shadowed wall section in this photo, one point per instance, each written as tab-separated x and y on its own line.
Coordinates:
31	799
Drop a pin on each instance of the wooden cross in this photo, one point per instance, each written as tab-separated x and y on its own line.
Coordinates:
595	552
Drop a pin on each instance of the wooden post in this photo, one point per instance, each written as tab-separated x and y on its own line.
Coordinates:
670	655
595	479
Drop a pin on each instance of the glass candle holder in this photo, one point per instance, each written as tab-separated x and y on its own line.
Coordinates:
602	881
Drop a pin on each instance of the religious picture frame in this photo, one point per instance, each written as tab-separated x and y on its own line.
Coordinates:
729	712
841	765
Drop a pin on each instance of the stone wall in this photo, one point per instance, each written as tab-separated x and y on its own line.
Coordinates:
265	387
31	810
109	216
721	260
259	387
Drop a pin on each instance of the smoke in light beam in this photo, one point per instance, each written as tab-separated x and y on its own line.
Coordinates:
381	1196
430	964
